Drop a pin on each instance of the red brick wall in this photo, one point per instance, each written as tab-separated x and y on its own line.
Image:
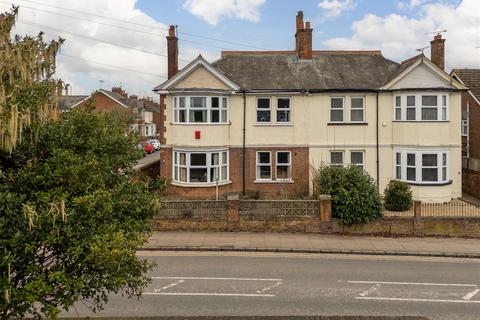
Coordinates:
162	119
300	175
474	124
105	104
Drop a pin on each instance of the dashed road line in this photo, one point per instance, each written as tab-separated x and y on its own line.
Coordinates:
416	283
208	294
169	286
212	278
270	287
369	290
416	300
471	294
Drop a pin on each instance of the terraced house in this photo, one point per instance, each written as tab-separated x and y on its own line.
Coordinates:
259	121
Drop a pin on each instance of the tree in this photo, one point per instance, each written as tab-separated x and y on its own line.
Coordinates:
355	198
397	196
72	215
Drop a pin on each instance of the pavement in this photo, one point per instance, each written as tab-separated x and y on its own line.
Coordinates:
148	160
312	243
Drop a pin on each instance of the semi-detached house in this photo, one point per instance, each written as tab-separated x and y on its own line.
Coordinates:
259	121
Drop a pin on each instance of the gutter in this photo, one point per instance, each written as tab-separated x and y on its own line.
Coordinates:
243	141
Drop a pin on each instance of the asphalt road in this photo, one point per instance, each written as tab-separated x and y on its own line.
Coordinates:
149	158
247	284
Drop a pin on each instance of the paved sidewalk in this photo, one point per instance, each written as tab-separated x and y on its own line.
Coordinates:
315	243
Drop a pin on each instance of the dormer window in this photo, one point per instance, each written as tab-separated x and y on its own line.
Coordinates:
200	109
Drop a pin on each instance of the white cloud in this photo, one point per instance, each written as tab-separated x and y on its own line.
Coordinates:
334	8
212	11
399	36
145	70
410	4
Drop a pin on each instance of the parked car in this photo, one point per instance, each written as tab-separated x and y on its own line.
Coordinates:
147	147
155	143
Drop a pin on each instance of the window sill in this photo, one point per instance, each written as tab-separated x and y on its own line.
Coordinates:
273	181
273	124
347	123
200	124
429	184
422	121
199	184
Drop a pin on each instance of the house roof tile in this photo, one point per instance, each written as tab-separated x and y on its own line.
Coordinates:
471	78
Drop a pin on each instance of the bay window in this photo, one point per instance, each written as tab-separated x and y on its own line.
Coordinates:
421	107
200	167
198	109
421	166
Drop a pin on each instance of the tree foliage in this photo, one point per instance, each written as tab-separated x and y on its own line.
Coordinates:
72	215
355	198
397	196
27	90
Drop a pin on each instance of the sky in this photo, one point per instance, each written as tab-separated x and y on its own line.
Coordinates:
122	42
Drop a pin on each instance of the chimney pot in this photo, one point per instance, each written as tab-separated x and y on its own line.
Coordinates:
438	51
300	20
303	38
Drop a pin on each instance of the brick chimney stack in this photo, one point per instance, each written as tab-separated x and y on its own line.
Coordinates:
438	51
303	38
172	52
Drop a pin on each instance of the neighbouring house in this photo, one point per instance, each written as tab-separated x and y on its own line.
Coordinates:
470	129
143	114
258	121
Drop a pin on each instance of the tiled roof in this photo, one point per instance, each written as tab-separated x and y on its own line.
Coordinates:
66	102
471	78
327	70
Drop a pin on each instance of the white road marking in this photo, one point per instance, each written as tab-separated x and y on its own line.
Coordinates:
211	278
471	294
169	286
416	283
209	294
270	287
416	300
370	290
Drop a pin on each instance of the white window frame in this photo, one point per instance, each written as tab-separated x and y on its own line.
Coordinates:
337	109
258	165
343	157
222	163
208	107
357	109
263	109
289	165
465	121
443	172
362	152
442	107
289	110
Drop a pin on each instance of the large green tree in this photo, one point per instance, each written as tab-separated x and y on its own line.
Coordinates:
72	211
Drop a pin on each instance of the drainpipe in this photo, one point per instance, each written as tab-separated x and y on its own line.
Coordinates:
377	147
243	145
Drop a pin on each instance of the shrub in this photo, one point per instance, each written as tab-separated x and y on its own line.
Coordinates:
397	196
355	198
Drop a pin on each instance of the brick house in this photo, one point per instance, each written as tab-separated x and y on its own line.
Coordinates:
470	129
143	114
259	121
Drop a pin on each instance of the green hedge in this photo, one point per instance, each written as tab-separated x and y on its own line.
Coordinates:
397	196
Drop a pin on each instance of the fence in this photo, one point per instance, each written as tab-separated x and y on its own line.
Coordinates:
454	209
197	209
278	208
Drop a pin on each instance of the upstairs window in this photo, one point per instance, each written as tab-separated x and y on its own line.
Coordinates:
421	107
465	122
356	109
336	109
263	110
283	110
200	109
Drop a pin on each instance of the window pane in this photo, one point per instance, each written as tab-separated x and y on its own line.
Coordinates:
283	116
214	175
283	172
444	159
263	103
263	116
411	174
215	116
224	103
198	102
283	157
357	103
263	157
444	173
283	103
198	174
429	160
198	116
224	173
398	114
429	174
183	174
224	115
410	159
444	101
398	101
398	158
182	102
215	102
356	115
429	101
336	115
182	115
410	101
336	157
214	159
429	113
336	103
356	157
183	159
398	172
444	113
224	158
411	114
264	172
198	159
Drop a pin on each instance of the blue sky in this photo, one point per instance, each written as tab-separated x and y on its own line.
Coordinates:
122	42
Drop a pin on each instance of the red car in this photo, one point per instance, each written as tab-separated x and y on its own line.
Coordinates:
147	147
